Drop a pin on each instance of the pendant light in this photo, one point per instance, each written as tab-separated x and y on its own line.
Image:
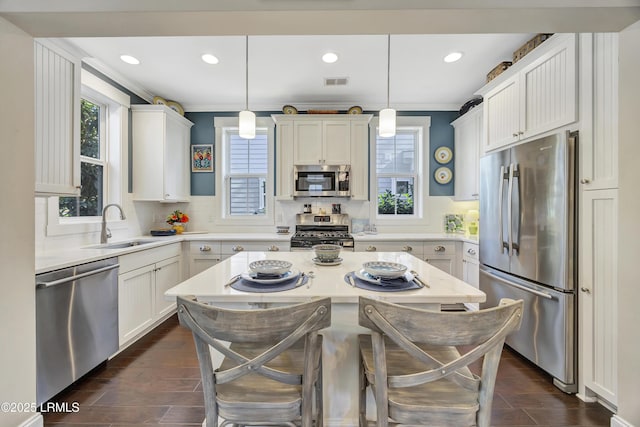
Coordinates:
247	119
387	123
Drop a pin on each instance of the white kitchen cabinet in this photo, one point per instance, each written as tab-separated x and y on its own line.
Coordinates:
599	217
597	296
599	111
203	255
57	121
284	161
535	95
309	139
322	142
412	247
468	140
443	255
359	179
471	268
233	247
161	154
142	281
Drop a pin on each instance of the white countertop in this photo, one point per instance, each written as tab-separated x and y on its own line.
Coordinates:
61	258
328	281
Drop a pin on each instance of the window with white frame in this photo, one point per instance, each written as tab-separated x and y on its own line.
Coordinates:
399	172
103	130
93	162
245	192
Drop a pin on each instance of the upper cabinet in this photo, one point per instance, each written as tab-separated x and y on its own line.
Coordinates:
468	140
535	95
161	159
57	121
311	139
321	142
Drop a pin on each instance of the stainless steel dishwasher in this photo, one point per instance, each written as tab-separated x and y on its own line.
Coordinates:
76	323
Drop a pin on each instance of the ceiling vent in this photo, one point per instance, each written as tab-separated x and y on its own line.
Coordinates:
336	81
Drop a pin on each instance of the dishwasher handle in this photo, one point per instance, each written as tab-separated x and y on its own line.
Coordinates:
76	277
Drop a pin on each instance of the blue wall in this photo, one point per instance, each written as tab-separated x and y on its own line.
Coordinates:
441	134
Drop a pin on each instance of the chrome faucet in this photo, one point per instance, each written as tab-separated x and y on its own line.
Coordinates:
106	233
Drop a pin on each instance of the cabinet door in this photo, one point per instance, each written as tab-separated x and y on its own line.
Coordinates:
502	117
468	135
135	302
599	114
548	90
598	299
168	274
444	263
57	121
177	161
336	142
359	178
307	138
284	161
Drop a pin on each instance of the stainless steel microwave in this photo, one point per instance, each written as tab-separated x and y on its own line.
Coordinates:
321	181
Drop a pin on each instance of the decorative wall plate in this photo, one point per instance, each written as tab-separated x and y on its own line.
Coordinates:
443	155
158	100
355	110
176	107
289	109
443	175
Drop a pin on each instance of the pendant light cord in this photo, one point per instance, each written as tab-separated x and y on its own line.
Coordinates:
246	73
388	66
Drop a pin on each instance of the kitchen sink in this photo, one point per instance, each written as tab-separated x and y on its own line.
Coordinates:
121	245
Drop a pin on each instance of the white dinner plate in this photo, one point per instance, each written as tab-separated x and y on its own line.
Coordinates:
252	277
443	175
318	261
363	275
443	155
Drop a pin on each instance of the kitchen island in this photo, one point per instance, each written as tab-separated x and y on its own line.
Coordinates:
340	355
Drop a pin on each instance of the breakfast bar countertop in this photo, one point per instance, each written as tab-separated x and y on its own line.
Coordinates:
328	281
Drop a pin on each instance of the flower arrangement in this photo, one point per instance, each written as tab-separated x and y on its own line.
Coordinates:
176	217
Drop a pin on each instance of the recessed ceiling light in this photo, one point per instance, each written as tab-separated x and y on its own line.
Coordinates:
210	59
329	57
130	59
453	57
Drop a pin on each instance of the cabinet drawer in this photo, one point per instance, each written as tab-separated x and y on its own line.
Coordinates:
240	246
470	250
414	248
139	259
439	248
205	249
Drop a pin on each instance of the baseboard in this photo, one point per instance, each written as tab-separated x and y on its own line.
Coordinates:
34	421
616	421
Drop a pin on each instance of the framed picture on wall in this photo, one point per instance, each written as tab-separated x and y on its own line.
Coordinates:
202	158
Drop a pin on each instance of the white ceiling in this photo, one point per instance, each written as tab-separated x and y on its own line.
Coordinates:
289	70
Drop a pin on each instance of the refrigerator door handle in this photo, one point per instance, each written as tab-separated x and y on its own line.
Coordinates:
510	211
515	285
514	173
503	176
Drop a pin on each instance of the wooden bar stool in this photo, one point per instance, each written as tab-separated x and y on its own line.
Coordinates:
271	373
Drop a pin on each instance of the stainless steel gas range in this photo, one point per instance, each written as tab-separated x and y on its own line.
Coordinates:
316	229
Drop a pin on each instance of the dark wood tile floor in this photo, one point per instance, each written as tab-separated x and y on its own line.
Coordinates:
156	381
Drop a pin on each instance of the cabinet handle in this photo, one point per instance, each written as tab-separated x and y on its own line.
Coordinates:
585	181
167	195
586	290
205	248
475	195
407	248
371	249
439	249
78	187
515	135
471	251
238	248
520	132
273	248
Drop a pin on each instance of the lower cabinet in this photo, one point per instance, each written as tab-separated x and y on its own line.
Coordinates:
231	248
443	255
471	269
414	248
203	255
144	277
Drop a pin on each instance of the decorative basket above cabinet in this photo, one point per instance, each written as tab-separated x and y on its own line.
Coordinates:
160	158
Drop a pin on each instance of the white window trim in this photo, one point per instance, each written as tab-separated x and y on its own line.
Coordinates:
421	186
118	135
220	200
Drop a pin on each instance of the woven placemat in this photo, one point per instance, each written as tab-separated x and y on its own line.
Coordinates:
249	286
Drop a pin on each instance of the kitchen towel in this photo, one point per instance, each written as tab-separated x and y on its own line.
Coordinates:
401	285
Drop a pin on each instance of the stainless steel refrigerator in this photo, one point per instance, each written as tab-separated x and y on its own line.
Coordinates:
528	247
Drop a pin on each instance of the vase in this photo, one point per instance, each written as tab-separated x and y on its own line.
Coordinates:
179	227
